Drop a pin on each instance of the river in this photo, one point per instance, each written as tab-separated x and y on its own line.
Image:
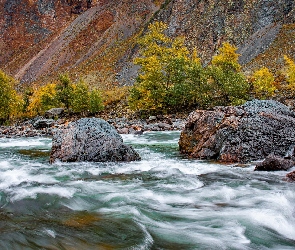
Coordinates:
164	201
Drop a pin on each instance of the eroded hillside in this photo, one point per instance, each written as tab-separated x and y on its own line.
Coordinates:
97	39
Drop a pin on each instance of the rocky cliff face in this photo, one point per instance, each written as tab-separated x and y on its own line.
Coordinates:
97	39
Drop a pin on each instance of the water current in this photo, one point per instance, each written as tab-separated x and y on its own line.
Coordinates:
164	201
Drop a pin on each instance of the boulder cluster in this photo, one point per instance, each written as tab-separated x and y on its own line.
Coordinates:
254	131
239	134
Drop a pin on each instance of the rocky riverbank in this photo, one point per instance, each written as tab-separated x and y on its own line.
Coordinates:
41	126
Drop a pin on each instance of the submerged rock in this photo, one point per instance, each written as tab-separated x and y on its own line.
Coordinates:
90	139
239	134
274	163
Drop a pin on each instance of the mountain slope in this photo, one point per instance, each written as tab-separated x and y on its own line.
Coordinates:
97	39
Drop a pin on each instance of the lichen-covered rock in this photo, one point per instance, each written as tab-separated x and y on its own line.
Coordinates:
274	163
90	139
239	134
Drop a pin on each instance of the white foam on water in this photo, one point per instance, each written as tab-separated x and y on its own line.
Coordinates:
49	232
23	143
206	233
148	239
14	177
32	192
206	205
277	212
4	165
148	138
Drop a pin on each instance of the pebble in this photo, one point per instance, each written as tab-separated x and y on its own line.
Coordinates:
123	126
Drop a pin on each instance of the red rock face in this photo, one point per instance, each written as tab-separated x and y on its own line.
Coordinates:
25	26
41	38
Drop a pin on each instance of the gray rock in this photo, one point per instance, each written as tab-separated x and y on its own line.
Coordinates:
239	134
258	42
274	163
164	126
54	112
152	118
90	139
43	123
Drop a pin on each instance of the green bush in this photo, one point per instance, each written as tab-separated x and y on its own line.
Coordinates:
64	91
85	100
95	102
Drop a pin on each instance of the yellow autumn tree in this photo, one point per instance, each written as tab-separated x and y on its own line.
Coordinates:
290	73
10	100
165	65
263	83
227	84
42	99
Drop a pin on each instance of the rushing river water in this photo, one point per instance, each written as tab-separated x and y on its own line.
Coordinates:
162	202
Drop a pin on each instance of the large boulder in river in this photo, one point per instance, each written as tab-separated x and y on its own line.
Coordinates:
239	134
90	139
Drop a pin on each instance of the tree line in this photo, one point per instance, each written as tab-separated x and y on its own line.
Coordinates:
171	78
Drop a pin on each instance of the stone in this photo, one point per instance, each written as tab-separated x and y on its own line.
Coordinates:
290	176
90	139
164	126
239	134
274	163
122	130
152	118
43	123
54	113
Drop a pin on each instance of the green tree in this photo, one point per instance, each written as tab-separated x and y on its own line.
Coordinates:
164	79
64	90
80	97
95	101
10	101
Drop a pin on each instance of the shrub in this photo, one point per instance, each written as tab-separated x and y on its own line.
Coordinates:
43	98
95	102
10	101
64	91
263	82
84	100
290	72
80	97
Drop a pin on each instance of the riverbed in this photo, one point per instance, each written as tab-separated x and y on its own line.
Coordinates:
164	201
